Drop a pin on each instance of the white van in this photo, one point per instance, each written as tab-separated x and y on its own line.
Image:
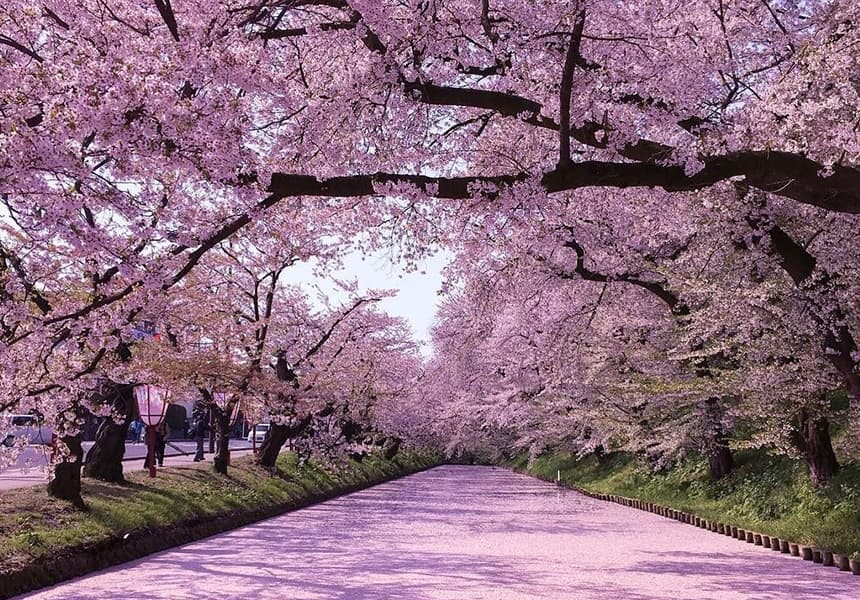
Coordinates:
261	429
29	427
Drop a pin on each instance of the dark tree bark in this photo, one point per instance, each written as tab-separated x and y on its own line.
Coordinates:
789	175
571	60
272	444
351	430
279	434
221	428
275	439
213	427
838	343
601	455
65	481
391	447
812	438
720	460
104	459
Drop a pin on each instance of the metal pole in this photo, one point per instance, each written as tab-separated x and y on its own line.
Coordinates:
211	430
150	450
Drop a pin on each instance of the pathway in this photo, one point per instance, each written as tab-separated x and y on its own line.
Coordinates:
459	532
177	452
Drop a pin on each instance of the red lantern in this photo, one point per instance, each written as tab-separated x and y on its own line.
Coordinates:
152	405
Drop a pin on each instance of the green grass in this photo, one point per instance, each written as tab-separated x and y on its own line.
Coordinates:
33	525
765	493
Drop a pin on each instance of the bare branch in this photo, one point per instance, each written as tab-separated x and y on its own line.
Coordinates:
486	23
781	173
571	60
166	12
7	41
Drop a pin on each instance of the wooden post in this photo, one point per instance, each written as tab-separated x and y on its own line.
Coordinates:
150	449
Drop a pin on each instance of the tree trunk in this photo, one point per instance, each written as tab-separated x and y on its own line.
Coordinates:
839	345
812	438
720	460
275	439
391	448
66	475
213	426
221	427
277	434
271	446
104	459
852	382
601	455
351	430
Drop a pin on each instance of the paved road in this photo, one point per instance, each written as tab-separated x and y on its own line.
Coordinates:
472	533
30	469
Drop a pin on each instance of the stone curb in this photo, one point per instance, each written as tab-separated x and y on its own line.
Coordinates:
813	554
83	560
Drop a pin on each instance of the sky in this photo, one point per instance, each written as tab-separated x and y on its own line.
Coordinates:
418	292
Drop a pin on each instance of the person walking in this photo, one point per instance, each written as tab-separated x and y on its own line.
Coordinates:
137	427
160	444
199	427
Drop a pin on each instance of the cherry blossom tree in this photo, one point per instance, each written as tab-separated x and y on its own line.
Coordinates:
338	371
139	138
731	314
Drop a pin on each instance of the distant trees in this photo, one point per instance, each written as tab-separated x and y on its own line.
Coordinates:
647	329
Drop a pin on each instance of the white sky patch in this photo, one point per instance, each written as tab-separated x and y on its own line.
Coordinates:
418	294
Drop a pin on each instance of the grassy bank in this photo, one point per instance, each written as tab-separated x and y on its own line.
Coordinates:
766	493
43	541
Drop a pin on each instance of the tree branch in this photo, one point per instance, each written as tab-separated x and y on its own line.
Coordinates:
169	18
486	23
666	295
780	173
571	60
328	333
20	48
285	185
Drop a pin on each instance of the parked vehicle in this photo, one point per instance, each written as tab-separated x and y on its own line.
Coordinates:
259	430
30	427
